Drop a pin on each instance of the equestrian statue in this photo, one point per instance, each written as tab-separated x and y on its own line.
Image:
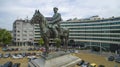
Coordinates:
51	29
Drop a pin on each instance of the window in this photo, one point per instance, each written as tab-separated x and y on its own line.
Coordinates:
24	39
30	39
18	31
24	34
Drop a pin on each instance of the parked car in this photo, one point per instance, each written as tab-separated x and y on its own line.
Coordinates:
16	65
42	49
93	65
4	49
101	66
16	49
111	58
80	63
33	58
85	64
1	55
20	56
6	55
117	59
29	57
37	49
33	53
17	56
33	49
8	64
23	54
29	49
28	54
38	54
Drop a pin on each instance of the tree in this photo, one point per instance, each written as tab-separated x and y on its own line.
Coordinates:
5	37
41	42
58	42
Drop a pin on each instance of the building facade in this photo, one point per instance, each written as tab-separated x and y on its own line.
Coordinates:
23	32
94	32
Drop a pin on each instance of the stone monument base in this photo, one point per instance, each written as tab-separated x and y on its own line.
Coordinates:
59	61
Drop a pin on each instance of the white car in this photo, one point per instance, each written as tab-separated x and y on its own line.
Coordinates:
20	56
31	57
17	56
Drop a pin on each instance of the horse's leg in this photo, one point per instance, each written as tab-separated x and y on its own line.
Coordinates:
46	42
66	40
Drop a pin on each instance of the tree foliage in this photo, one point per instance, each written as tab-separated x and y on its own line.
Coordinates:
58	42
41	41
5	37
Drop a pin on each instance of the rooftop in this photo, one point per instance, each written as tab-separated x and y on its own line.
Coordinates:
94	19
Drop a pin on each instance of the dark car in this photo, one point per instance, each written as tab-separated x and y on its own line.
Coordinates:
29	49
6	55
28	54
8	64
117	59
33	53
23	54
101	66
16	65
33	48
111	58
80	63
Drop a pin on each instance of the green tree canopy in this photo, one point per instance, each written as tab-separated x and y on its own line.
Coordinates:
41	41
5	37
58	42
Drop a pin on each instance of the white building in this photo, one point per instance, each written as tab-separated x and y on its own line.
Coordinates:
23	32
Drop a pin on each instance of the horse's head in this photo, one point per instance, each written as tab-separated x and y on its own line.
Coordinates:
37	17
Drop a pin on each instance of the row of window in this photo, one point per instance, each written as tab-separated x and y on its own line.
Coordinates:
89	24
94	35
113	27
23	31
23	39
100	39
94	31
24	35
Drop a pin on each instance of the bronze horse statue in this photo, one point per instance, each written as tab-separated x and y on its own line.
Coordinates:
46	32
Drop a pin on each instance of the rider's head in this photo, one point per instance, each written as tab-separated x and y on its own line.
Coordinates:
55	9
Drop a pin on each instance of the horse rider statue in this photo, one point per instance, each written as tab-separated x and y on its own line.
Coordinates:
55	23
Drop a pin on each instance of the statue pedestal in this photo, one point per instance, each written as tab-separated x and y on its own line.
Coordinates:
54	60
